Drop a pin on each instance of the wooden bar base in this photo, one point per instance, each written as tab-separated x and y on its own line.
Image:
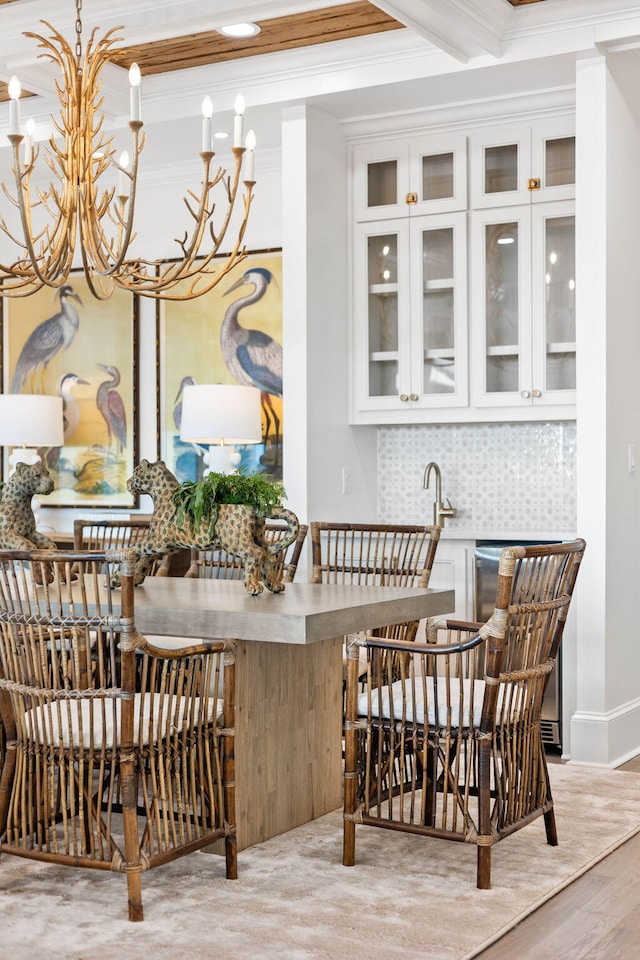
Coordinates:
288	736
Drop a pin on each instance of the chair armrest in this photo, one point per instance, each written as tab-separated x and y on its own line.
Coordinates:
399	646
195	648
470	625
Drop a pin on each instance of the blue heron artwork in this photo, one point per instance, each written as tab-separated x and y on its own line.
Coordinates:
231	335
66	343
52	335
253	358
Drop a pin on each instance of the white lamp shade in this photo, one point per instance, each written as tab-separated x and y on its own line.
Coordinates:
30	420
221	413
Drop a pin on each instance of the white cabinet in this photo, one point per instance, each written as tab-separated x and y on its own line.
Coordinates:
523	296
453	569
523	163
440	279
410	312
409	177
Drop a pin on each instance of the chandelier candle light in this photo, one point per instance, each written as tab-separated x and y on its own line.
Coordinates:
80	212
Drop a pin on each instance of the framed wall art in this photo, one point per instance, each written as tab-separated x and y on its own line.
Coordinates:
233	334
65	342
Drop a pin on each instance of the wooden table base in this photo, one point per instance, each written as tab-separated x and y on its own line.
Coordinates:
288	736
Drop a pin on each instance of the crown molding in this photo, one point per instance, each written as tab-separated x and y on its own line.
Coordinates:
463	116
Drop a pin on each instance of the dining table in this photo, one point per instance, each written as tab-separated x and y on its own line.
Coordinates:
289	680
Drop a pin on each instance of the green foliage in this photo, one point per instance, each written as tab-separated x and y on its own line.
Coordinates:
197	501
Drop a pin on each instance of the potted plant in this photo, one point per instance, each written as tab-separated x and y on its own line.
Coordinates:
198	501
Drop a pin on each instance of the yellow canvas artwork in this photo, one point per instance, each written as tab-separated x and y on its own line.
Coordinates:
66	343
231	335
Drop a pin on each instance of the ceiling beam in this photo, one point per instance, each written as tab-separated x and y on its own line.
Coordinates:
461	28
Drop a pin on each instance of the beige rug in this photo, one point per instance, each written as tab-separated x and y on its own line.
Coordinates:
406	898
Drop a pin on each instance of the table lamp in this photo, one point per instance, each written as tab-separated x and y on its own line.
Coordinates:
29	422
221	415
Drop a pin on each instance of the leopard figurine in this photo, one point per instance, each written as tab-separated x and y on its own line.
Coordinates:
17	522
238	529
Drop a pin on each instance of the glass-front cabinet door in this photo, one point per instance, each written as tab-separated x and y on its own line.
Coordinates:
439	346
519	163
410	346
554	303
524	298
382	314
409	177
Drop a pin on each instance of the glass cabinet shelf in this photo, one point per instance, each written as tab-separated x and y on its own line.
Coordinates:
444	353
383	288
381	356
444	284
561	348
503	350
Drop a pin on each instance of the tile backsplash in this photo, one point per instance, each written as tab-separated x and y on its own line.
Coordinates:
500	477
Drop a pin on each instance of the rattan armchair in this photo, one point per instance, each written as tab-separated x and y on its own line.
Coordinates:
452	748
375	554
119	758
218	564
117	535
108	534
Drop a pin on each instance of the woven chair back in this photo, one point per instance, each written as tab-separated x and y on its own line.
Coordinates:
114	753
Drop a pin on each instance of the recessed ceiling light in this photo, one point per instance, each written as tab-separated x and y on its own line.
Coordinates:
221	135
240	30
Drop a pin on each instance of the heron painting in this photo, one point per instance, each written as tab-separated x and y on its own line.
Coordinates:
52	335
231	335
253	358
66	343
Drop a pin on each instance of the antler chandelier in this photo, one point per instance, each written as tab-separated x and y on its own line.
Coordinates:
76	212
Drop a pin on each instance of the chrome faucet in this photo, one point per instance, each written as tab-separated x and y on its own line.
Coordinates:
440	511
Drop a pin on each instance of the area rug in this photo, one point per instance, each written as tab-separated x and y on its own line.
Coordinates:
407	897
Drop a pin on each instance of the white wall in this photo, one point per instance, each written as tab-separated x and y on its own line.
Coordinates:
315	236
606	726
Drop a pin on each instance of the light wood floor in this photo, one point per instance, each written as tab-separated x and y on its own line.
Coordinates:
596	918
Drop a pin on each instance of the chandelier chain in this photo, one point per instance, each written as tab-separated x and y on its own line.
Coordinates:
78	32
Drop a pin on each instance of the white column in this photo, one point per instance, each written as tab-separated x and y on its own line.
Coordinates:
606	725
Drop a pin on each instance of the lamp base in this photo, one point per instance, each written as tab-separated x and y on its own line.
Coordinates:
23	455
221	459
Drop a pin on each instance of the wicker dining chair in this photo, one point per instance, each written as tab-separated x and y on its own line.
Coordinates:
453	748
375	554
119	758
218	564
117	535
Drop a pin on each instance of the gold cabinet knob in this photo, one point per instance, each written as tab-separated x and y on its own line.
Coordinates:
536	393
404	397
413	396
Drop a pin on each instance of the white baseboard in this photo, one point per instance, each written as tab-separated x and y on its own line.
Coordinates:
606	739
